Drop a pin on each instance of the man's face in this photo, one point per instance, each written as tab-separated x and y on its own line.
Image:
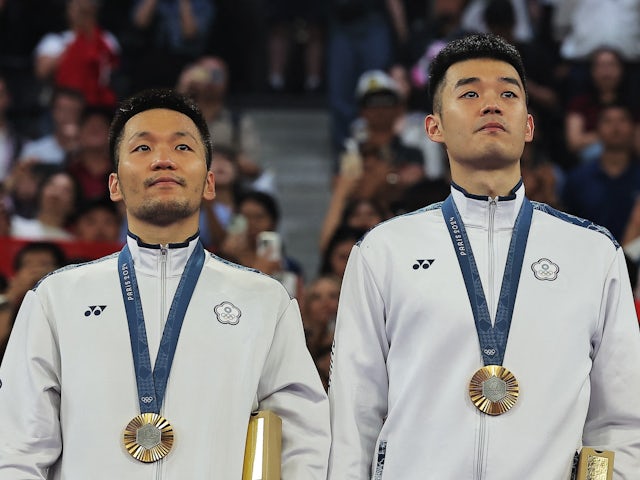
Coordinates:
483	120
162	174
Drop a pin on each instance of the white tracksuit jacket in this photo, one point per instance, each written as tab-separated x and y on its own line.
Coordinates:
69	389
406	348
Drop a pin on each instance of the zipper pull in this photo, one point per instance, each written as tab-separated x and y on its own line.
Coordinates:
164	251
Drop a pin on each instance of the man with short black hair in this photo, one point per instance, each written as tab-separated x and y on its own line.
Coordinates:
149	363
486	336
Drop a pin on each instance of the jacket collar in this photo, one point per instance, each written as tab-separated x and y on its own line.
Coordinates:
475	209
148	258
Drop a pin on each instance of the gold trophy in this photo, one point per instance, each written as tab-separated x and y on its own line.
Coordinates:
595	464
263	452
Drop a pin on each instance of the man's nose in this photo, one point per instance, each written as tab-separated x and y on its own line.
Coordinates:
491	108
163	160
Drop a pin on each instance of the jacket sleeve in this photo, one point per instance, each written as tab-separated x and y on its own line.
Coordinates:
290	387
30	439
359	382
613	419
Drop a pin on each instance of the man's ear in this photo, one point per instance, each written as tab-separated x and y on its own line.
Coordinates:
209	192
529	129
114	188
432	127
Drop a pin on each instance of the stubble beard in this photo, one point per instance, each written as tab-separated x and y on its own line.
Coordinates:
163	214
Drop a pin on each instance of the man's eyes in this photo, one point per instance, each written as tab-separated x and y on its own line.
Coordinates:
507	94
146	148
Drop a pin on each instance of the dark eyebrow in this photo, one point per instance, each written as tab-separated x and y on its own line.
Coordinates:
469	80
146	134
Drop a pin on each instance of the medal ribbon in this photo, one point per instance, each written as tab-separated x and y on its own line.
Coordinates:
153	383
492	338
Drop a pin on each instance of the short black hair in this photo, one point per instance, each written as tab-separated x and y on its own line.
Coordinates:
474	46
152	99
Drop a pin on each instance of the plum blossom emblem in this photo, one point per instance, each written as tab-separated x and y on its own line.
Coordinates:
545	269
227	313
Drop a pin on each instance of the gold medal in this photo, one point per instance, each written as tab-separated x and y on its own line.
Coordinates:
494	389
148	437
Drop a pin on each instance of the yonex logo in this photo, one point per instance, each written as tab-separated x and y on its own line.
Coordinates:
95	310
423	263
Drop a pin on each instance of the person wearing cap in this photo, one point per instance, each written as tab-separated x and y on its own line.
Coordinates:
486	336
380	105
379	101
149	363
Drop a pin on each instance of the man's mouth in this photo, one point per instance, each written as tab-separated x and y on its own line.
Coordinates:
492	127
150	182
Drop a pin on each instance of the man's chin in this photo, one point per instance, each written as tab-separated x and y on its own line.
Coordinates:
164	214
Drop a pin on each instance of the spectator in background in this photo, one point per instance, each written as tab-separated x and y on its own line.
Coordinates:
216	215
380	102
388	165
260	213
287	19
605	190
207	82
90	164
607	85
361	38
53	148
58	197
334	258
319	312
82	57
97	220
31	263
171	34
10	140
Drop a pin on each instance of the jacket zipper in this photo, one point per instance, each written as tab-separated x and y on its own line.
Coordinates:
482	430
164	251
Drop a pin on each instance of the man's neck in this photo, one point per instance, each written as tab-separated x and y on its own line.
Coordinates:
492	183
178	232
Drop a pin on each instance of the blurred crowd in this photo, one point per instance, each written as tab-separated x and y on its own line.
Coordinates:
63	70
